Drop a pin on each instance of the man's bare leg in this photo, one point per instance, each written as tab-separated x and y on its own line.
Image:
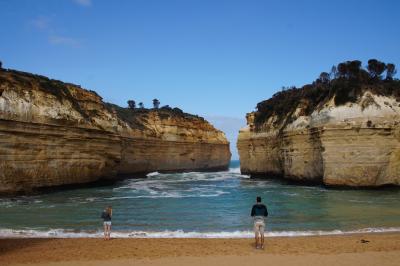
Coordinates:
262	240
258	240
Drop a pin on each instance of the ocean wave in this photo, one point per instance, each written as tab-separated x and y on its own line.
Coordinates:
63	233
290	194
235	170
174	185
152	174
21	200
173	194
198	176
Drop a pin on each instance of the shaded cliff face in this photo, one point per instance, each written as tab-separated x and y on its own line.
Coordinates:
54	133
354	144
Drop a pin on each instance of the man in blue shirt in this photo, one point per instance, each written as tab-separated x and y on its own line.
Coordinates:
259	212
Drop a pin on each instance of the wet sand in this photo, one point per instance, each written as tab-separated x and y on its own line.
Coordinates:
357	249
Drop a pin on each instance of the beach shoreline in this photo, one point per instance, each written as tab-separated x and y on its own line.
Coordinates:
364	248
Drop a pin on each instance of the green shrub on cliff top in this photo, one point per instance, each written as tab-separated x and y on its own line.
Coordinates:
345	83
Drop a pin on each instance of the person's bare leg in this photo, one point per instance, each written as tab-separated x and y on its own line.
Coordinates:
262	240
262	235
109	231
105	232
256	239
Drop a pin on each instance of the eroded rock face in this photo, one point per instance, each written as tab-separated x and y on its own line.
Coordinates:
54	133
357	144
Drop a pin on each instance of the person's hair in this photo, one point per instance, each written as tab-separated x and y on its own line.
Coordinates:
258	199
109	208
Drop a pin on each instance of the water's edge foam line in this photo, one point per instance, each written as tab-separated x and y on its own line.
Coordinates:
61	233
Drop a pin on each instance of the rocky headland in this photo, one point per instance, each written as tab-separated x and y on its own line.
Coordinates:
341	130
55	134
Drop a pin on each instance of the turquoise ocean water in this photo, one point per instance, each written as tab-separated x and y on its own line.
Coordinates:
215	204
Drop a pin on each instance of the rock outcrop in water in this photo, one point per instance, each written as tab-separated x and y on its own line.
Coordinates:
54	133
340	132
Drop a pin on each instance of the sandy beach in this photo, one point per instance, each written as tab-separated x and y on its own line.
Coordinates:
357	249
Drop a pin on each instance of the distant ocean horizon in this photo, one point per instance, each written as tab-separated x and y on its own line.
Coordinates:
200	205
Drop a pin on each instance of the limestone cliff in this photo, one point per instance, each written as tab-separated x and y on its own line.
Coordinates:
54	133
354	143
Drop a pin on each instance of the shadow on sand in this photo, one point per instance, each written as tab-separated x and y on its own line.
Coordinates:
11	244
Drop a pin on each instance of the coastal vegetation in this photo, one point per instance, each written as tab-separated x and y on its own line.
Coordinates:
57	88
131	104
156	103
345	83
132	115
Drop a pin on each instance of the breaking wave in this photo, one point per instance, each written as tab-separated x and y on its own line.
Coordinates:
62	233
169	185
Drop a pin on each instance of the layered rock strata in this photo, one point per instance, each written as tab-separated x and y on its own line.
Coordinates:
54	133
356	144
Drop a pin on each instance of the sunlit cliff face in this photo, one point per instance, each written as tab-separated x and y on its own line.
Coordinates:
356	144
53	133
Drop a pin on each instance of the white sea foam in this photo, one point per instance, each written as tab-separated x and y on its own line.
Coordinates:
197	176
174	194
290	194
152	174
158	185
91	199
235	170
61	233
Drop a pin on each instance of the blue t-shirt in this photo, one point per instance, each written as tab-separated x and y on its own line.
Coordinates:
259	209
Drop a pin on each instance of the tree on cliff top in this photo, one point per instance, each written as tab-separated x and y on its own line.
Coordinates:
324	77
390	71
1	65
334	72
342	70
376	68
354	68
141	105
131	104
350	70
346	83
156	103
